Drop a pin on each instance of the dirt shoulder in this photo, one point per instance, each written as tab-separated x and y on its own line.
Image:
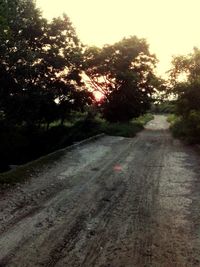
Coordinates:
113	202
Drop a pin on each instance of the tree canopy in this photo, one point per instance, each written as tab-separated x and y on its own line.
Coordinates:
40	62
123	73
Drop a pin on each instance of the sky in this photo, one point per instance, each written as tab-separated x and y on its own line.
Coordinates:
171	27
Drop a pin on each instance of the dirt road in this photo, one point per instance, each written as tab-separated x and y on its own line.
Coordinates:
115	202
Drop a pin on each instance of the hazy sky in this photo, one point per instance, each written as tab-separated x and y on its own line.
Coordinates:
171	27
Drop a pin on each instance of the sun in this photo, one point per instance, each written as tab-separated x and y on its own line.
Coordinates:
98	96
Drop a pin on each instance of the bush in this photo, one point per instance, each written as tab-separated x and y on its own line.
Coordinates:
187	128
172	118
144	118
128	129
122	129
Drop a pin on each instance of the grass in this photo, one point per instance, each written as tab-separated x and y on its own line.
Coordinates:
121	129
144	119
128	129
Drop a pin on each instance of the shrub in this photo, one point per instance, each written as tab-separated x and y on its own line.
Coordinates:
188	127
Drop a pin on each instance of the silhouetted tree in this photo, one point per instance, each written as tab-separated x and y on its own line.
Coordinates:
185	81
185	84
40	62
123	73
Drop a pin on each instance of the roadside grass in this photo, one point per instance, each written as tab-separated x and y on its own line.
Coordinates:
127	129
144	119
58	137
172	118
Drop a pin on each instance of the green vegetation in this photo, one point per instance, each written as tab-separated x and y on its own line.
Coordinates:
129	129
172	118
144	119
187	129
124	74
186	123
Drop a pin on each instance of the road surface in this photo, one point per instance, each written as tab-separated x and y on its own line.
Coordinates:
115	202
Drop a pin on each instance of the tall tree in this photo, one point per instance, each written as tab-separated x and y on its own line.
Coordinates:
123	73
40	62
185	84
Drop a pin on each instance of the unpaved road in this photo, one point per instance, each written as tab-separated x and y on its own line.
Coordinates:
115	202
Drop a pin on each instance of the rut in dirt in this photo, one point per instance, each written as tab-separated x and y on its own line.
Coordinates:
113	202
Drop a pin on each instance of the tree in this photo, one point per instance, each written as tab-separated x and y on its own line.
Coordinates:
185	84
185	75
40	62
186	68
123	73
187	90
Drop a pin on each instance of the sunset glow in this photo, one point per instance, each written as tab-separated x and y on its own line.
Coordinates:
170	27
98	95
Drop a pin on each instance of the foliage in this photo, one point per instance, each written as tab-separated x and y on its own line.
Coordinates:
144	119
187	126
188	110
125	129
40	80
172	119
123	73
187	129
40	63
186	68
128	129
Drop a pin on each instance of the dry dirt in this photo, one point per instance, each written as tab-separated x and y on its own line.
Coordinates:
115	202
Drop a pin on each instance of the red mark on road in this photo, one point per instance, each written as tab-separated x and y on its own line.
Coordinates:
117	168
